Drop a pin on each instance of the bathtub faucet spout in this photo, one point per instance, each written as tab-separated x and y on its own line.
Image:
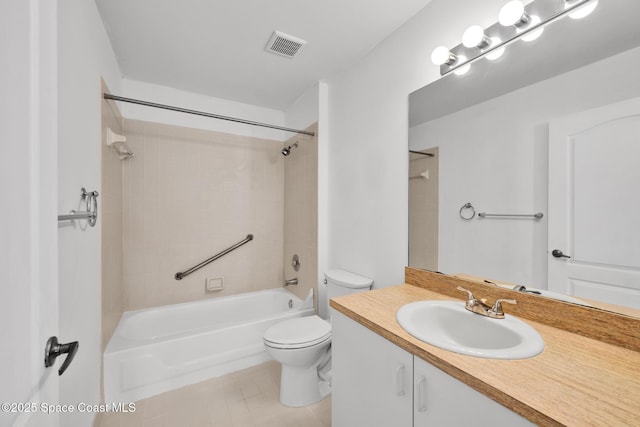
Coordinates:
293	281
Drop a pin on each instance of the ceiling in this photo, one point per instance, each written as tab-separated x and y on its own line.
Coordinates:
216	47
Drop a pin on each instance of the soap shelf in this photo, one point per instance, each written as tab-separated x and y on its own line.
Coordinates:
119	144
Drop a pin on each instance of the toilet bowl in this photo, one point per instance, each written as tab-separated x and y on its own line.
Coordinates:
303	346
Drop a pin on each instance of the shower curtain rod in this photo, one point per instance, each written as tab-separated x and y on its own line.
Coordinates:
201	113
420	152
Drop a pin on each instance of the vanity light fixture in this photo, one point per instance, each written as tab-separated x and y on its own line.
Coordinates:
513	13
495	53
515	21
532	35
581	12
474	36
442	55
464	68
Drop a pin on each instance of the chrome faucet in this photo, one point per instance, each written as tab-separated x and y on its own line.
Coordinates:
293	281
480	306
522	288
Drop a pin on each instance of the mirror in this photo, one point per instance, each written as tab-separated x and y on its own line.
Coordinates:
489	133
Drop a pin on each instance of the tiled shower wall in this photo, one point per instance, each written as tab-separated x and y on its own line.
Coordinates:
189	194
110	221
301	212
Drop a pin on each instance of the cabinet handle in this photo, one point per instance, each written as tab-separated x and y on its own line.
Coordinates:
422	394
400	380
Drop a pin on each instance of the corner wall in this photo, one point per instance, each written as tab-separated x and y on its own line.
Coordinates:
110	213
301	213
84	56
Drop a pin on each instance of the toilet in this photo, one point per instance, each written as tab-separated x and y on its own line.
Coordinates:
303	345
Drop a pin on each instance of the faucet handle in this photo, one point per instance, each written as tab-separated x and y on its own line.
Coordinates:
497	306
470	296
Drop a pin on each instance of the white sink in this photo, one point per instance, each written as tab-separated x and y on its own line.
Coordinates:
448	325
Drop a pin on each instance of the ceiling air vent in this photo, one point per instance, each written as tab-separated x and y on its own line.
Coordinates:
284	45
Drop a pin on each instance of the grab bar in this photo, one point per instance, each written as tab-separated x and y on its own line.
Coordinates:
91	210
536	215
179	275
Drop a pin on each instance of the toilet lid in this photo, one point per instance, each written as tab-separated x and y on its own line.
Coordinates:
299	332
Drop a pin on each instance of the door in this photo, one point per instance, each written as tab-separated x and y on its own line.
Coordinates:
594	204
28	229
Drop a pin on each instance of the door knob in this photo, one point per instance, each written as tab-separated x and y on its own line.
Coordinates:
558	254
53	349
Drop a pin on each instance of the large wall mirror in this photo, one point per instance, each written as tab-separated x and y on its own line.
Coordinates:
553	127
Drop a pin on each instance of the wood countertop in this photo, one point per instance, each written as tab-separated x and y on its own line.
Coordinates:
575	381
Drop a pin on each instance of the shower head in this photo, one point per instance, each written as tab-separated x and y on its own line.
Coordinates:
287	150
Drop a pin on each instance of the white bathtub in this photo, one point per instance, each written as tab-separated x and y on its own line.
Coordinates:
162	348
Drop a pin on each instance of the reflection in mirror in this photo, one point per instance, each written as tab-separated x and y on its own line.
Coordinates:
423	209
498	136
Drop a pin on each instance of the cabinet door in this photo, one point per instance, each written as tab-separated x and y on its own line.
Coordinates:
371	380
441	400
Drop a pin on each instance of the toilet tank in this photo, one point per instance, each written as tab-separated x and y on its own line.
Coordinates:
342	282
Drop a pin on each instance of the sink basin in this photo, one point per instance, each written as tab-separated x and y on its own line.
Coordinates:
448	325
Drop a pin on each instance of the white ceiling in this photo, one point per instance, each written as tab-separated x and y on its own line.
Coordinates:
216	47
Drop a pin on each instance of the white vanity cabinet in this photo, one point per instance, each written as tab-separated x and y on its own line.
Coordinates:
377	384
441	400
371	378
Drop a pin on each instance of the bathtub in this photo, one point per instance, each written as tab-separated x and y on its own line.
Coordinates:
162	348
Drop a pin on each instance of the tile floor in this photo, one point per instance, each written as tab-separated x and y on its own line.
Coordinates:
245	398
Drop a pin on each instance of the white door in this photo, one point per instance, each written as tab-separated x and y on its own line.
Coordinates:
594	204
28	225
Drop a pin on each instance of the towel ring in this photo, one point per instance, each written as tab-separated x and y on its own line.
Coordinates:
467	206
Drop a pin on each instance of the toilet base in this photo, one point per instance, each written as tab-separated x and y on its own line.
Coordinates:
301	386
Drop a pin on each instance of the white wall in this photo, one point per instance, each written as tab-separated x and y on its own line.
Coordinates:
367	155
495	155
84	55
323	195
192	101
303	112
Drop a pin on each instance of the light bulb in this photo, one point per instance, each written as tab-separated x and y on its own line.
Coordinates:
585	10
529	37
495	54
441	55
462	70
513	13
474	37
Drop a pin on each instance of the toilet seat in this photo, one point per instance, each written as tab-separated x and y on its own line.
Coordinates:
298	333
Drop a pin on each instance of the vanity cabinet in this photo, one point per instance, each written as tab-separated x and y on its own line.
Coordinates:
377	384
371	379
441	400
